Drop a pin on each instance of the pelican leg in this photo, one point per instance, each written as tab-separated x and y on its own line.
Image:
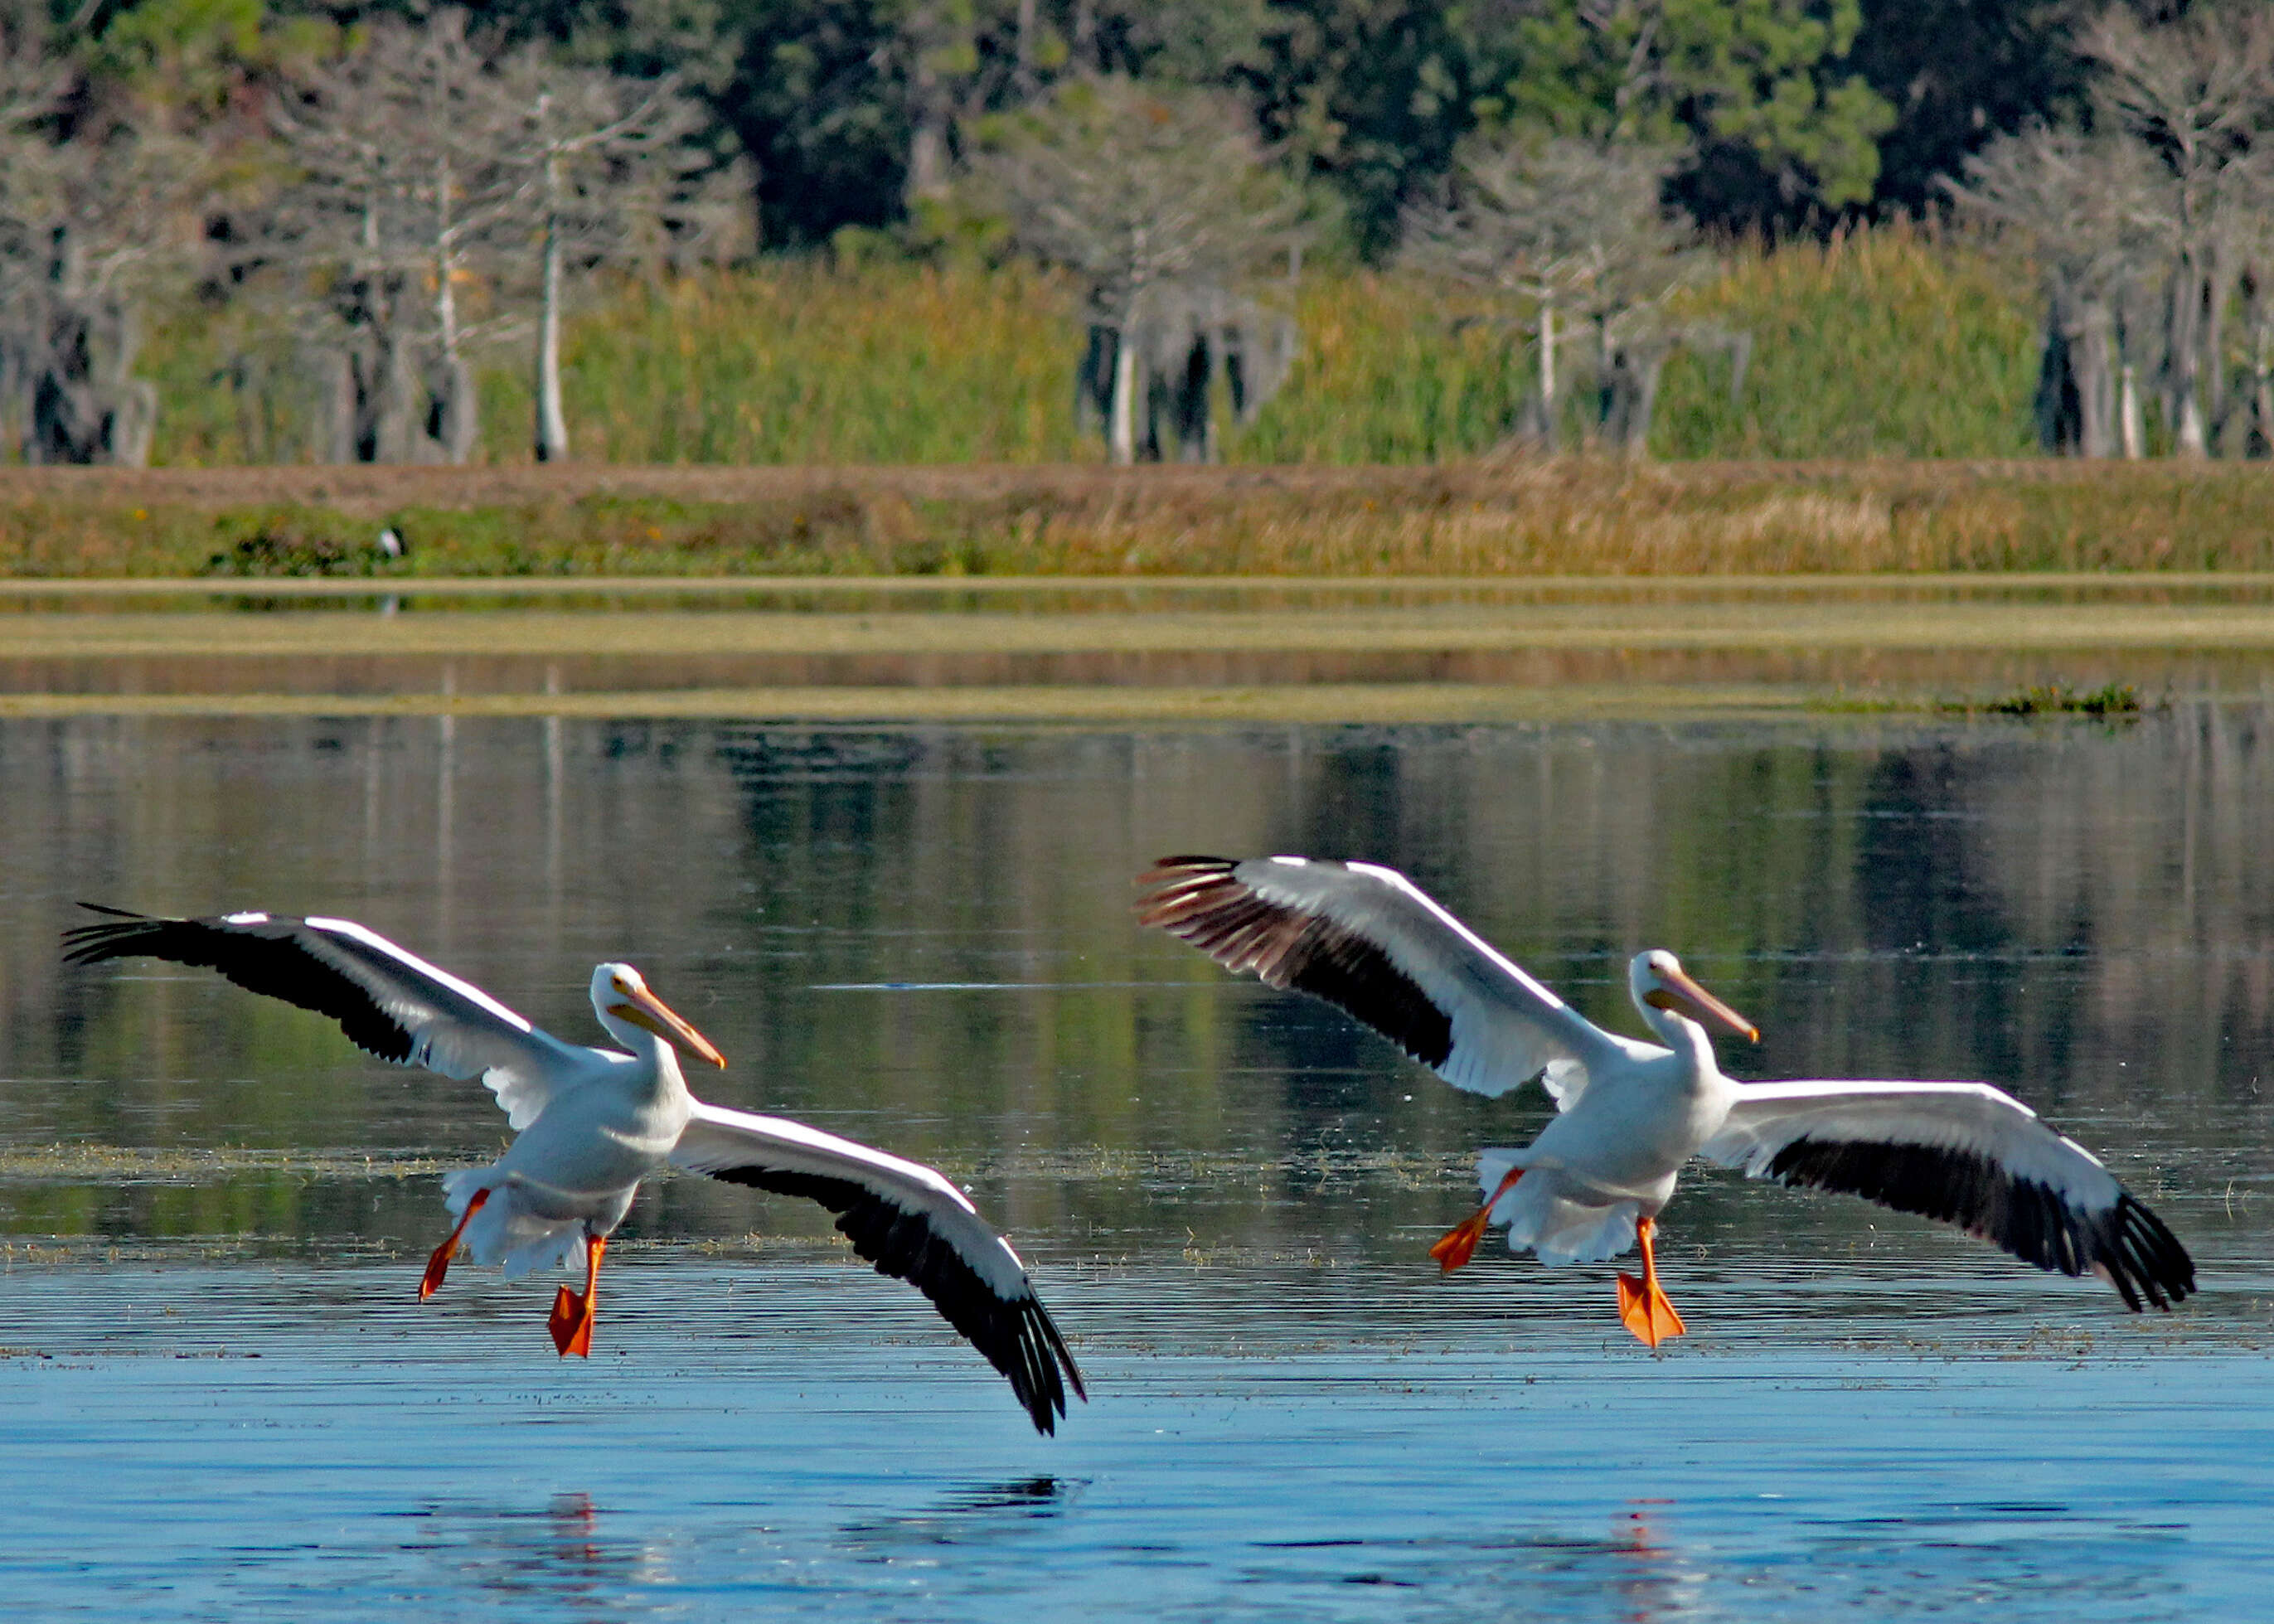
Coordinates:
438	1264
1643	1307
571	1319
1459	1243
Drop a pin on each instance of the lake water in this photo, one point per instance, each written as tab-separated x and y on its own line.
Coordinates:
219	1397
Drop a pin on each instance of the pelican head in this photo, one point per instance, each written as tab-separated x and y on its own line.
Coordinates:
1658	981
621	998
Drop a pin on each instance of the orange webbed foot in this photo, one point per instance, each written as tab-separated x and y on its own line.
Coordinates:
571	1324
1459	1244
438	1263
571	1319
1644	1310
1643	1307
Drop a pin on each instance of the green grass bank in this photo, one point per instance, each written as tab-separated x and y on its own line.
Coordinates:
1568	516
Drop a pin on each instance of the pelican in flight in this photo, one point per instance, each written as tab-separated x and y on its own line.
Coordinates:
592	1122
1367	940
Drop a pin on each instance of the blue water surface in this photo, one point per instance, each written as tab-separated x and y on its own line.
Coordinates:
282	1440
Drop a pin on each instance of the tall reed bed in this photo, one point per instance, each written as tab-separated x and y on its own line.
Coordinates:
794	361
1390	370
1889	343
1886	343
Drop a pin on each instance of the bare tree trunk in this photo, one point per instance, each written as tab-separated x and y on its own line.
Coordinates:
1023	77
929	113
1548	373
1085	36
928	155
2191	442
2262	404
2246	435
2184	352
333	440
2217	287
1607	383
552	422
1631	395
1121	429
452	408
452	417
2131	419
2090	357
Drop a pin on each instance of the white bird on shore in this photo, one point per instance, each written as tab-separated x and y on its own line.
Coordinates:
1368	941
593	1123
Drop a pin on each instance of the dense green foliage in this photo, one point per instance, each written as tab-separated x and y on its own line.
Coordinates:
1799	110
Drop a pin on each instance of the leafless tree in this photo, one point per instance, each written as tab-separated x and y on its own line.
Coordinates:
405	189
2254	244
2079	207
611	176
1161	201
2198	92
98	208
1572	238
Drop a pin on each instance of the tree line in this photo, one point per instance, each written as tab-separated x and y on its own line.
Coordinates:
391	198
2149	216
400	187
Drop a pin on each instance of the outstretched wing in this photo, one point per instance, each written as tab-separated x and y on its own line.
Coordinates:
911	1222
1966	1154
389	1001
1370	942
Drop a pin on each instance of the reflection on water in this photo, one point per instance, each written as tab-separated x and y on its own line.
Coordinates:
976	1515
922	936
560	1559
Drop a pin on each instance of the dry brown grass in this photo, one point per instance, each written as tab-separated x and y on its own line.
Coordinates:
1575	516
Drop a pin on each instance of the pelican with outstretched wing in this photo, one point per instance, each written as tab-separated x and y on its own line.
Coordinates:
592	1122
1369	941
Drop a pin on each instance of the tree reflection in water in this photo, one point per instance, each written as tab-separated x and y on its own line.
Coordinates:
2079	912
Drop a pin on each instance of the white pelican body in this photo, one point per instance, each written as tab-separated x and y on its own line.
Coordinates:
607	1120
593	1123
1630	1114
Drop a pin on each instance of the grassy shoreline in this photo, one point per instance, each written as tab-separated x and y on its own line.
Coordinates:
1497	519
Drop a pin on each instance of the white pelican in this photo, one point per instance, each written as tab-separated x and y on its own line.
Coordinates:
593	1123
1367	940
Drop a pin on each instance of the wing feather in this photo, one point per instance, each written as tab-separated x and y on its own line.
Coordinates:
911	1222
389	1002
1370	942
1964	1154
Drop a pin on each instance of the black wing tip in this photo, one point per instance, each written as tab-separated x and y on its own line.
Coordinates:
2124	1243
1048	1357
2141	1258
116	938
1014	1333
